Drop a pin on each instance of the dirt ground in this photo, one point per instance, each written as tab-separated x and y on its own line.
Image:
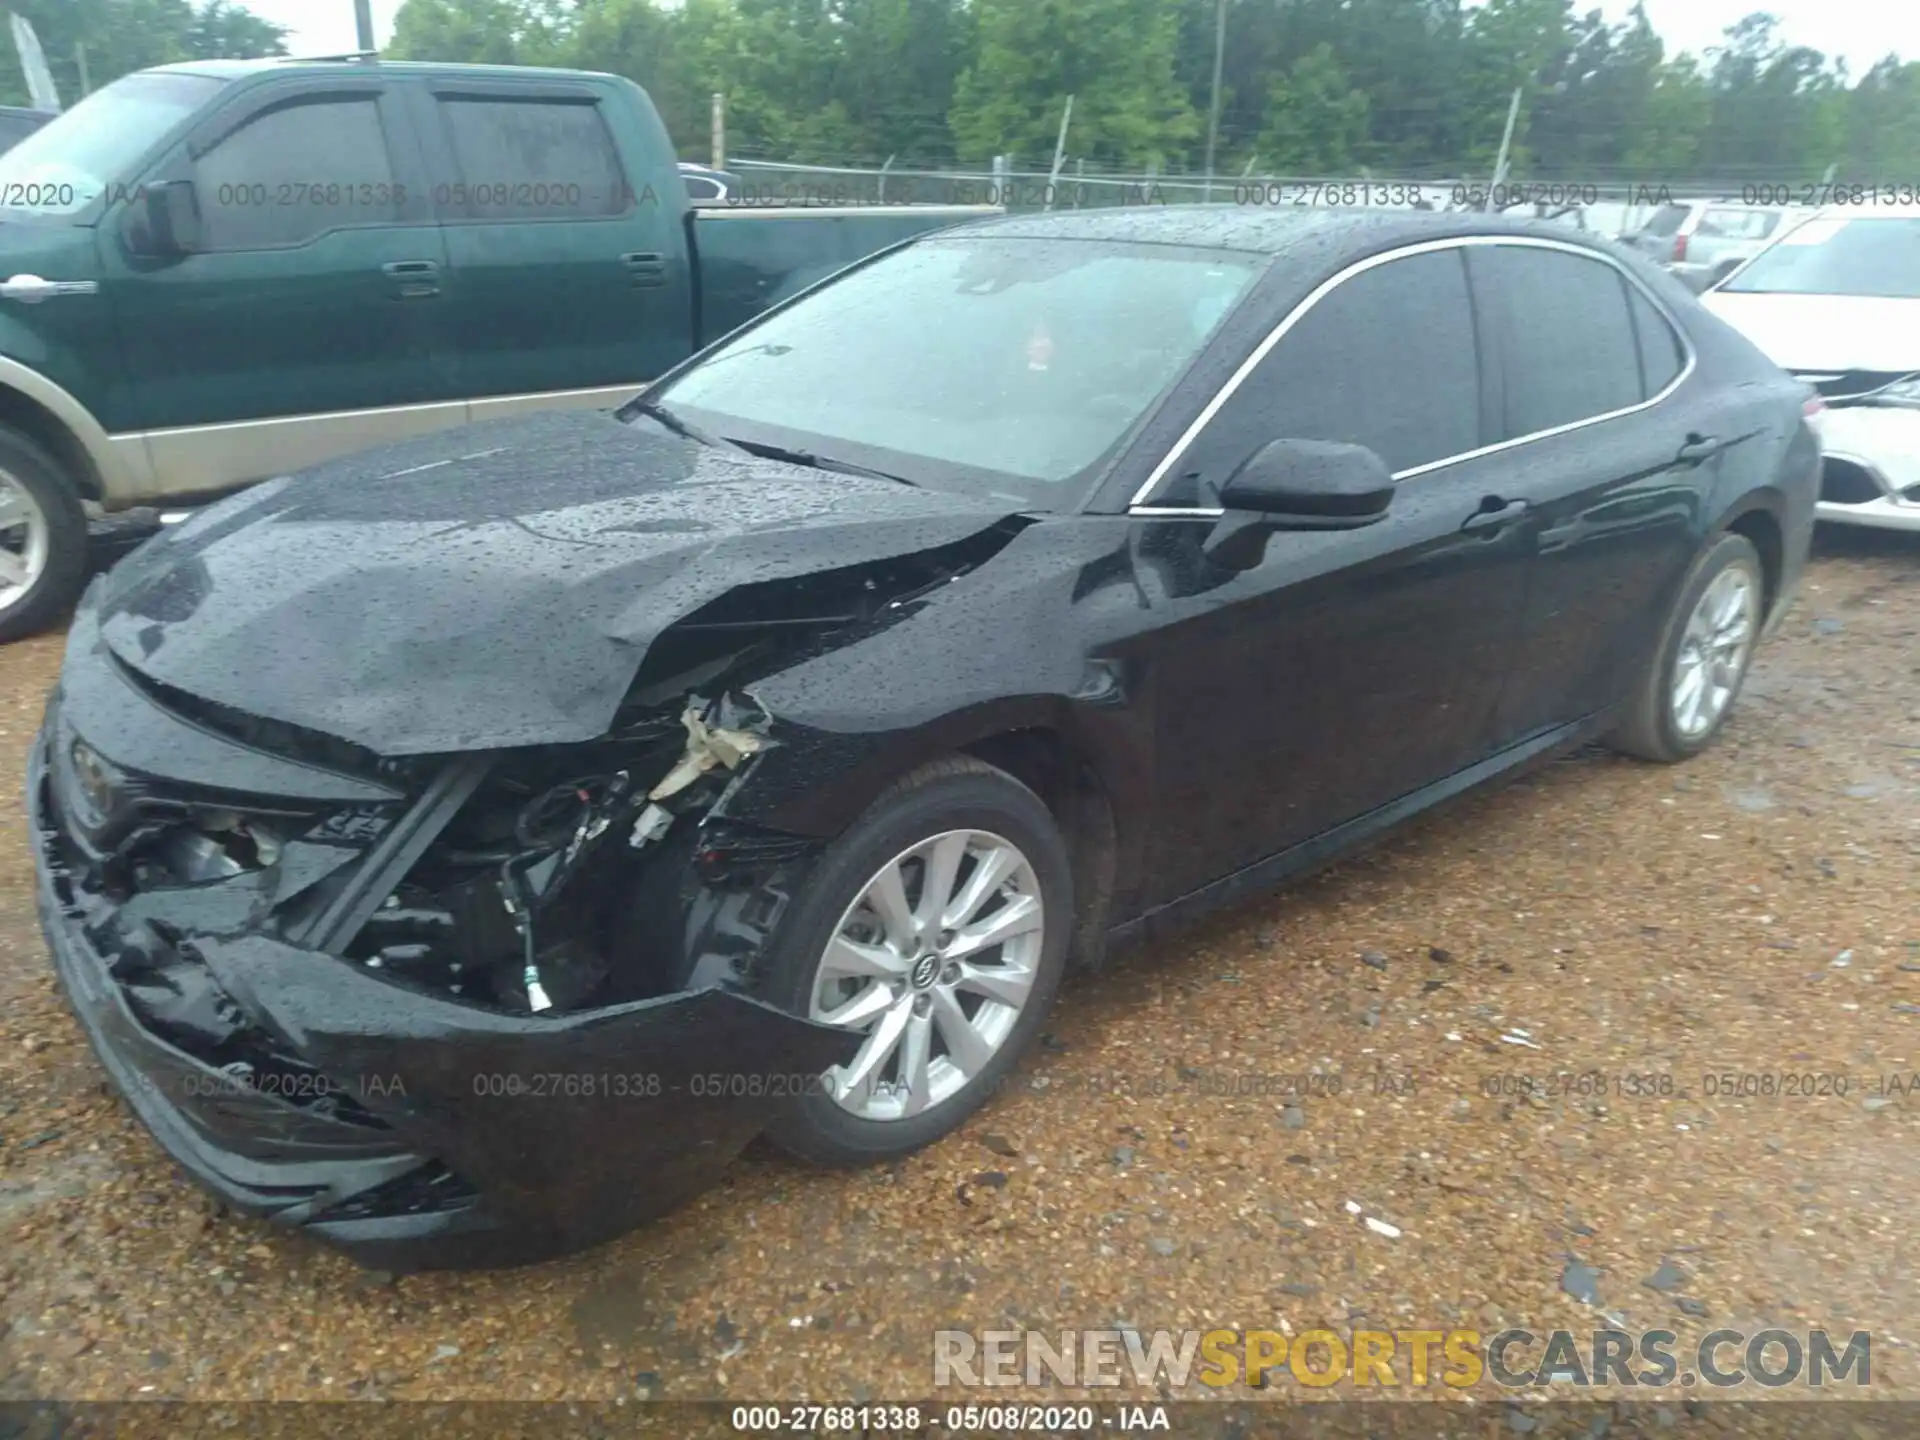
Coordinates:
1753	912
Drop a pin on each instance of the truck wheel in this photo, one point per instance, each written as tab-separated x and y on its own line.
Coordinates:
937	926
43	539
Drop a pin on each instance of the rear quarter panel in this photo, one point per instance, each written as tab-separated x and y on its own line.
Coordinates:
1776	464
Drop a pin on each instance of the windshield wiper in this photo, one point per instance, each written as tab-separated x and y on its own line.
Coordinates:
654	410
817	462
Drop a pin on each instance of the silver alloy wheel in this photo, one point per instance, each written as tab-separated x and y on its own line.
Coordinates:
1714	650
935	961
23	541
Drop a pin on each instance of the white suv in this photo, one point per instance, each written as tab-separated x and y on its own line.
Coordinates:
1704	241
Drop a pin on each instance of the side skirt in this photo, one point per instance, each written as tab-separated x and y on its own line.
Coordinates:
1331	845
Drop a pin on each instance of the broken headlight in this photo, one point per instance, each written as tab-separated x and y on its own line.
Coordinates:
93	788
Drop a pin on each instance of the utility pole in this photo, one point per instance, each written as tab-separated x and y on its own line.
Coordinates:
719	130
80	60
1506	143
363	18
1059	152
1219	64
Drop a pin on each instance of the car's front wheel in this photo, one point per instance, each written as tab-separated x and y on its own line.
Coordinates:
1693	678
937	928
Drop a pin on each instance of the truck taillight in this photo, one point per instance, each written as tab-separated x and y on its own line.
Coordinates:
1679	248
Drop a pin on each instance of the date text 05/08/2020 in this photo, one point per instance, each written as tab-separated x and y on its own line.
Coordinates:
805	1419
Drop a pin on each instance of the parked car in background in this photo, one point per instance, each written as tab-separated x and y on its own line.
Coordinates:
1703	241
460	851
1836	302
706	185
17	123
220	271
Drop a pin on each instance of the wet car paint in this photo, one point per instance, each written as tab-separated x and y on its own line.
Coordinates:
446	608
522	567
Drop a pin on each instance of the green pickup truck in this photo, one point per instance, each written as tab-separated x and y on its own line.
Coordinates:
217	272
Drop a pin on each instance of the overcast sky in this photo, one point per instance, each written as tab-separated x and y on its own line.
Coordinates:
323	27
1861	31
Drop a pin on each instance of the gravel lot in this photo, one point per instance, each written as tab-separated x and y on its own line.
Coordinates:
1752	912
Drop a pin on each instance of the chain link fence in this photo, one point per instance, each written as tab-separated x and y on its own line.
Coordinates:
1612	208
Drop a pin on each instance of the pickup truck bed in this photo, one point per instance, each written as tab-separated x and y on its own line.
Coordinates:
750	259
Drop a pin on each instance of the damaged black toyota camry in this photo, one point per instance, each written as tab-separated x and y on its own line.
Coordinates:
463	850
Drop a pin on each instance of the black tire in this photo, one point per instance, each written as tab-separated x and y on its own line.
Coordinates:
946	795
1647	729
64	575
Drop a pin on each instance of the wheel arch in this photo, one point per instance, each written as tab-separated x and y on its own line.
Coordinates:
1069	784
816	785
101	468
1757	516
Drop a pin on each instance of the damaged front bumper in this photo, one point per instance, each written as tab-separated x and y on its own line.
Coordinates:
410	1129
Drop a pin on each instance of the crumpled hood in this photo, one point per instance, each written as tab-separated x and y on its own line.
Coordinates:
488	586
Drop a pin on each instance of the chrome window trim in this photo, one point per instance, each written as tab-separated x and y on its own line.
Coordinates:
1326	287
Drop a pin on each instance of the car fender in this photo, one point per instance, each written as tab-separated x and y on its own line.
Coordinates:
122	470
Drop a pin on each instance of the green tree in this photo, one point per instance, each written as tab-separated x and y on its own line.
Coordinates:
1316	122
1664	139
1511	45
1882	122
484	32
1114	57
121	36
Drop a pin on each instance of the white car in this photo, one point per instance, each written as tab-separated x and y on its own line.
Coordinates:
1836	302
1704	241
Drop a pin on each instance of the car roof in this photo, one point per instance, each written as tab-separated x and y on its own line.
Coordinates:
334	64
1261	230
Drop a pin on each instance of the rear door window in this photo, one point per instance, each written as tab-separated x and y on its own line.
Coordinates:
1661	353
537	158
1568	346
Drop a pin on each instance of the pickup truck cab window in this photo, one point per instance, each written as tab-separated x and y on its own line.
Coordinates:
1009	367
72	161
297	171
542	157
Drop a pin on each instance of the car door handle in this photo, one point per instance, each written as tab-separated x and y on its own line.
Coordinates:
416	279
31	289
1700	448
646	268
1494	515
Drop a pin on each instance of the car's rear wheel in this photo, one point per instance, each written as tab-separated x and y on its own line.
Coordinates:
43	539
937	927
1695	675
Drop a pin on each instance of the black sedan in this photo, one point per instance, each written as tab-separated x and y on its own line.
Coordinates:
461	851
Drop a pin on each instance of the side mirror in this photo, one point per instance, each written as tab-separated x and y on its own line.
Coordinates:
1297	485
163	221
